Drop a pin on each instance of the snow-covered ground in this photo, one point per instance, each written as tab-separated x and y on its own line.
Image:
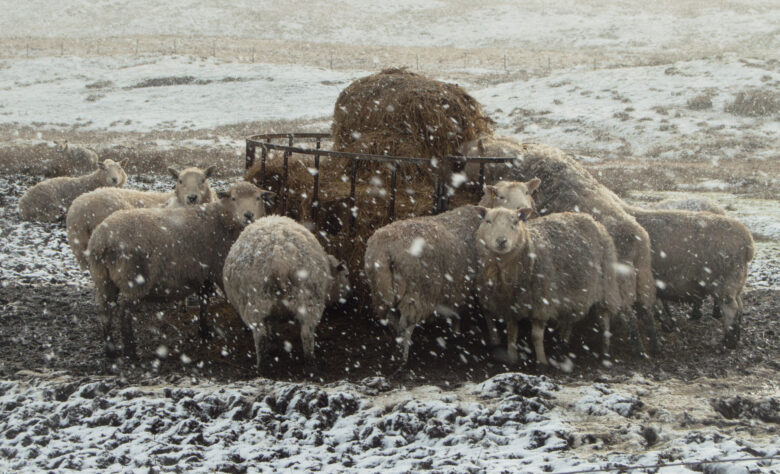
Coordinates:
670	27
607	113
509	423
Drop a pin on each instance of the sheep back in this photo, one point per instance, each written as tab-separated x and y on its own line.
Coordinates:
90	209
423	264
276	259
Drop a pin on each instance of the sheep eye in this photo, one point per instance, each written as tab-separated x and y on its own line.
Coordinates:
233	198
181	182
487	221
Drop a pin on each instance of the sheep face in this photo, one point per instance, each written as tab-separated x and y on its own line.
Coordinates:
500	230
112	173
192	186
513	194
340	287
62	146
245	202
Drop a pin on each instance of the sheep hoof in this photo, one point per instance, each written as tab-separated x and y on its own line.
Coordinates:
731	338
205	334
111	350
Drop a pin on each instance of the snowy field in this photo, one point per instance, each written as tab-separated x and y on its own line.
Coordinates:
643	94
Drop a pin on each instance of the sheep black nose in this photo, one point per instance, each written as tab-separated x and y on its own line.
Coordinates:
114	180
250	216
192	199
501	242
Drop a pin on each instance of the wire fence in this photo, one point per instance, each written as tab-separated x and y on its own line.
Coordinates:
488	60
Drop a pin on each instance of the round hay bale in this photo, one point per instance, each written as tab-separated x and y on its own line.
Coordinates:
399	113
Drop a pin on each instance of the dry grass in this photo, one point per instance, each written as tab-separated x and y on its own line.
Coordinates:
700	102
755	103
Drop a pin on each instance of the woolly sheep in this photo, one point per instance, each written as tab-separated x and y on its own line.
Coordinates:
421	267
165	253
697	204
49	200
700	254
90	209
277	266
74	160
559	268
567	186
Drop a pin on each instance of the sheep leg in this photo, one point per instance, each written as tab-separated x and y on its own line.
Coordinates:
512	329
309	318
732	316
635	341
606	334
203	299
666	318
648	324
716	313
537	336
493	336
126	327
259	332
695	311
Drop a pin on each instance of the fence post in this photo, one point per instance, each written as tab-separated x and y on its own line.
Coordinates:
62	48
253	54
136	47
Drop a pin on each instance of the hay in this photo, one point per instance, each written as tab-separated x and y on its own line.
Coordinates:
399	113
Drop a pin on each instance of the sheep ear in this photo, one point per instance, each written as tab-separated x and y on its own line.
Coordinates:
210	170
101	165
482	211
533	185
269	198
524	213
173	173
490	190
222	194
123	163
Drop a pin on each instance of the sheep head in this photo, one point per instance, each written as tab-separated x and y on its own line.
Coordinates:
244	203
192	185
112	174
513	194
502	230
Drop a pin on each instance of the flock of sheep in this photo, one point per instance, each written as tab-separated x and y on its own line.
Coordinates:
547	243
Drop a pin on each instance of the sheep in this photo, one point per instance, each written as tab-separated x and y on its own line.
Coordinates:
165	253
558	268
278	266
192	186
567	186
76	160
90	209
697	204
421	267
49	200
699	254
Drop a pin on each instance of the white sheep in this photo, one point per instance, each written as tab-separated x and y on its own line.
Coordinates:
699	254
49	200
566	186
90	209
421	267
559	268
74	160
510	194
277	266
165	253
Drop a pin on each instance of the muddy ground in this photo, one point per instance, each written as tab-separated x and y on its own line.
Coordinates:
52	324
